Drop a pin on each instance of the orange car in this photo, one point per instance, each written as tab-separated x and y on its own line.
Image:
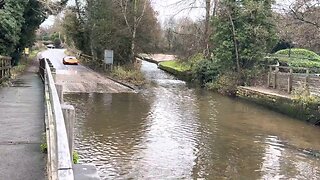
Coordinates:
70	60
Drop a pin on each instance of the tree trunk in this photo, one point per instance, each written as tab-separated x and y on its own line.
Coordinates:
132	56
234	41
134	32
206	30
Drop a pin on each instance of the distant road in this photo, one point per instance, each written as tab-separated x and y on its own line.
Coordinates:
78	78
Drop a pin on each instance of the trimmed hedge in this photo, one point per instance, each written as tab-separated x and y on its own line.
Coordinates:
300	53
298	58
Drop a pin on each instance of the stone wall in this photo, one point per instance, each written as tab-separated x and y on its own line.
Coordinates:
285	105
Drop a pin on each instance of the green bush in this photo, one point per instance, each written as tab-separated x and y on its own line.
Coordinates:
298	58
44	148
225	83
300	53
205	71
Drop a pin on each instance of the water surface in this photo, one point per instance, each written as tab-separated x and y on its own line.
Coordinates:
172	131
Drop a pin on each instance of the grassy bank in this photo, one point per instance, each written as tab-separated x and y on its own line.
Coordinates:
23	64
128	75
178	68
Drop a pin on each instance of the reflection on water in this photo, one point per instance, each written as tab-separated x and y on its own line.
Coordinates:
170	131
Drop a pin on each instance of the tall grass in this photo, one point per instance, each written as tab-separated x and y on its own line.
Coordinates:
128	74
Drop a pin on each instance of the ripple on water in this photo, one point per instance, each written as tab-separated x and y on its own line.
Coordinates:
172	132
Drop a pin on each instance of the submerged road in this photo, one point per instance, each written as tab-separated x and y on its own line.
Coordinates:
78	78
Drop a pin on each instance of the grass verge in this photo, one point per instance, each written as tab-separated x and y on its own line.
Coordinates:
181	70
21	67
23	64
131	75
176	65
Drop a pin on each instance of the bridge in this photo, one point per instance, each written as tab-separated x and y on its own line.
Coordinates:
30	107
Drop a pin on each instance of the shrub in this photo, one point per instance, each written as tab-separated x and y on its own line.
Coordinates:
44	148
225	83
75	157
130	74
57	43
205	71
300	53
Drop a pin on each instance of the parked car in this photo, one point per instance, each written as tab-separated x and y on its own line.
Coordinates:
70	60
50	46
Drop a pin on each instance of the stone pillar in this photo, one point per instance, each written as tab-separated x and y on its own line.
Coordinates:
69	120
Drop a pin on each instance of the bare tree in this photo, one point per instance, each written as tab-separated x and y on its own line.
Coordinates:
299	23
210	7
130	9
307	11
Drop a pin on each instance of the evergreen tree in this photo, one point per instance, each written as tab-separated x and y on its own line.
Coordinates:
11	21
244	33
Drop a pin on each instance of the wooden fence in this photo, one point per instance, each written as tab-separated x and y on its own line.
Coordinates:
292	78
5	68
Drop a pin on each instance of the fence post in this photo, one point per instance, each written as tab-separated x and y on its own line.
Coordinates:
269	76
290	81
69	120
307	79
10	68
275	80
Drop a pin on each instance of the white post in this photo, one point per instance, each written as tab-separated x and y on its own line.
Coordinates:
69	118
59	88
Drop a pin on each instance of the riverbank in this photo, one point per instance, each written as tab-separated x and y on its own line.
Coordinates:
179	69
282	103
276	100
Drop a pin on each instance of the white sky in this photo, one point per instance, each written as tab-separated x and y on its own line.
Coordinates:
167	8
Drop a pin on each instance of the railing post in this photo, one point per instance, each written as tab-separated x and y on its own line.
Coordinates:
306	78
269	76
69	118
275	80
1	71
290	81
10	68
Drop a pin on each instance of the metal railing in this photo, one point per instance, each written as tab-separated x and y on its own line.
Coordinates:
5	68
59	164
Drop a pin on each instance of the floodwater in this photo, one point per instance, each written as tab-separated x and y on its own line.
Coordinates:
172	131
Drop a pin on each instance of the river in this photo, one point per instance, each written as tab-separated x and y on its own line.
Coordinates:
172	131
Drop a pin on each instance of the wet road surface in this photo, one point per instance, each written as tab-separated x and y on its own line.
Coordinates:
79	79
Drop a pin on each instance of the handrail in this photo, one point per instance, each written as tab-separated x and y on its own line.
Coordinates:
60	164
290	69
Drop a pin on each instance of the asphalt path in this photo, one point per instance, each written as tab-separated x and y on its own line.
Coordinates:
22	125
80	79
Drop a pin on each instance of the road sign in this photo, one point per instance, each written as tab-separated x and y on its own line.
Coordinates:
108	56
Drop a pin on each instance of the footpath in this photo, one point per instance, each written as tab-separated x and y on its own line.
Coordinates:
21	127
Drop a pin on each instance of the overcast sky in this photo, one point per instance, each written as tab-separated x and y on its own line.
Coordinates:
168	8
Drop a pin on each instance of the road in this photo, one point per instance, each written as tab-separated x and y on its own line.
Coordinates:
80	79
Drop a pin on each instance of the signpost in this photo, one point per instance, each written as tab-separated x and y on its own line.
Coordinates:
108	59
